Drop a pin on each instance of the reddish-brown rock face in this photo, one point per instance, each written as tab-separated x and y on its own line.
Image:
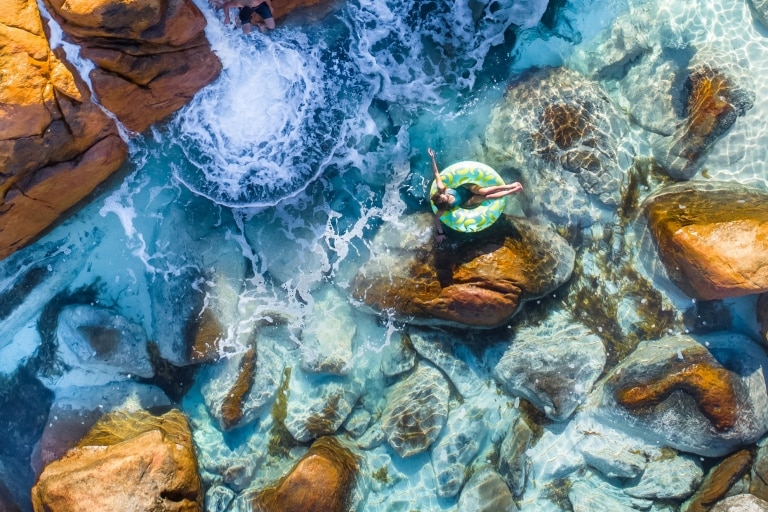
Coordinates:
321	481
151	57
126	462
712	239
55	145
481	281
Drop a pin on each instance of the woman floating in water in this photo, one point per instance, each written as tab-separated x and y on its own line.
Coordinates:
466	196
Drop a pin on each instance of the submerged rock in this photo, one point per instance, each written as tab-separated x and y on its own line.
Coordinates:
481	281
485	491
416	410
667	478
437	348
126	461
57	145
711	250
327	339
705	397
565	132
718	482
553	368
398	356
237	390
461	440
760	11
101	340
513	462
715	99
322	480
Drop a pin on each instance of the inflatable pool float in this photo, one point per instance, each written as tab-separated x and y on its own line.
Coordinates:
480	217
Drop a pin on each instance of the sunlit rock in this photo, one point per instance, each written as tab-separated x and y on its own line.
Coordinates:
357	422
76	409
705	397
56	145
237	390
151	57
322	480
460	441
437	347
417	407
714	100
481	280
552	366
327	338
513	461
709	248
485	491
718	482
102	340
319	404
667	478
566	136
126	461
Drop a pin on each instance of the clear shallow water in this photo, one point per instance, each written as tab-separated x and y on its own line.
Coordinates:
267	189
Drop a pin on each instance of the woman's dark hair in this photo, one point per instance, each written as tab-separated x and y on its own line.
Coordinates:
440	202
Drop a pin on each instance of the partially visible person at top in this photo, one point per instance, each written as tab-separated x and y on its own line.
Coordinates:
467	195
252	12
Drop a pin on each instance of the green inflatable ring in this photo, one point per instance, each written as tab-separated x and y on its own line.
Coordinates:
470	220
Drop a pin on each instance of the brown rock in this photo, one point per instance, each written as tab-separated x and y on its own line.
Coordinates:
710	248
126	462
55	145
232	408
714	103
719	480
709	385
322	481
480	281
207	331
151	57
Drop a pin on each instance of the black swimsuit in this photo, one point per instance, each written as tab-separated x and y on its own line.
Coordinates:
262	10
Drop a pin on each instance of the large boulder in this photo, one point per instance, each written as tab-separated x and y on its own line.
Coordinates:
56	145
562	129
480	280
151	57
322	480
705	396
126	462
710	249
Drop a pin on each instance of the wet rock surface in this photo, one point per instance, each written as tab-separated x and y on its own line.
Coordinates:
709	249
322	480
56	145
480	281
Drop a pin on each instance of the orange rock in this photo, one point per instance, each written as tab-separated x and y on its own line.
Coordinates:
710	386
126	462
151	57
719	481
232	408
322	481
55	145
710	249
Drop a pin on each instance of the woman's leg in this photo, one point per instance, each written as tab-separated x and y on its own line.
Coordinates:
497	191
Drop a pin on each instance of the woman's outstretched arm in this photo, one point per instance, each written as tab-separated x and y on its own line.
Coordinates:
440	185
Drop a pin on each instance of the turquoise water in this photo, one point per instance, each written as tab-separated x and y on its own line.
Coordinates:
261	199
